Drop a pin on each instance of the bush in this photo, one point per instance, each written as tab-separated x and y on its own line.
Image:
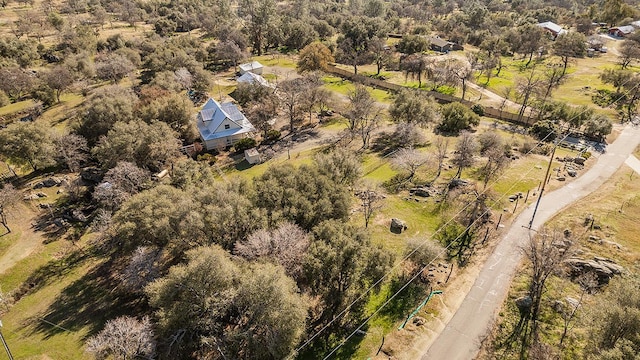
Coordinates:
244	144
457	117
478	109
4	99
273	135
209	158
45	95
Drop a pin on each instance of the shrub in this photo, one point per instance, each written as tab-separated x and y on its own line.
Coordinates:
244	144
478	109
4	99
273	135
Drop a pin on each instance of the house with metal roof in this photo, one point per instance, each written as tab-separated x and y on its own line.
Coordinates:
222	125
251	78
622	31
554	29
254	67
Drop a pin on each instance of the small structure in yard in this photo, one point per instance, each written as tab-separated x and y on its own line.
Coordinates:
253	67
621	31
252	156
251	78
222	125
440	45
554	29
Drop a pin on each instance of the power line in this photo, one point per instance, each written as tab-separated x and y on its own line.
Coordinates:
446	248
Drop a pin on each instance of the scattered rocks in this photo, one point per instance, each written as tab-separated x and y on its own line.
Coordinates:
398	226
31	197
458	183
567	233
41	195
48	182
424	191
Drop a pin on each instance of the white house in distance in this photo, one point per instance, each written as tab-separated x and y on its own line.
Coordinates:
254	67
222	125
554	29
251	78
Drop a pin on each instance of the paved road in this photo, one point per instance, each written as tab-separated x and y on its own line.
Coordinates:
461	337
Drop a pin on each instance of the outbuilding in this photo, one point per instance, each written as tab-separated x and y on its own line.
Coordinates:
252	156
254	67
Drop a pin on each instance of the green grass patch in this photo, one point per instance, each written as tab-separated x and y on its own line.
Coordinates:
276	60
17	106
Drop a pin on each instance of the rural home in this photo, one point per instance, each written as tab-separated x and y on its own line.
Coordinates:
254	67
440	45
553	28
222	125
622	31
251	78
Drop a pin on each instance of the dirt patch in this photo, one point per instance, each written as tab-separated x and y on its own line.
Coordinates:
28	241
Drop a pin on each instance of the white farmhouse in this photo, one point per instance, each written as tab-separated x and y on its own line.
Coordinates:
222	125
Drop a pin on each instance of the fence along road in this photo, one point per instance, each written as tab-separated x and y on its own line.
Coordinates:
441	98
460	339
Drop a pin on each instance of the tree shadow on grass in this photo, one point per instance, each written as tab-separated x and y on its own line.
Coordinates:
405	302
89	302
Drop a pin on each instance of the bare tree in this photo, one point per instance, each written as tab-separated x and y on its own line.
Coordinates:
442	145
492	147
371	198
9	198
410	160
460	71
72	150
142	269
286	245
588	282
184	78
363	114
124	338
464	155
545	251
119	184
292	94
526	88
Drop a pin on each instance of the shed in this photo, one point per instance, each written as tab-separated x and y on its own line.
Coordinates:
254	67
252	156
622	31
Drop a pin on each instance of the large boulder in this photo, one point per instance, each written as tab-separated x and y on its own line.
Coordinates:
603	268
91	174
398	226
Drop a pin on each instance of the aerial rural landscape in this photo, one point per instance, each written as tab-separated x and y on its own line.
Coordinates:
357	179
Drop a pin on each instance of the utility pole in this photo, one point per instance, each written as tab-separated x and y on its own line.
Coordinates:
544	184
4	343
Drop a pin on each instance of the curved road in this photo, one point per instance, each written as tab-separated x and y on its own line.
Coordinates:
461	336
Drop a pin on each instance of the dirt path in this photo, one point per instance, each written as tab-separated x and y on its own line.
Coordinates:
28	240
494	99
